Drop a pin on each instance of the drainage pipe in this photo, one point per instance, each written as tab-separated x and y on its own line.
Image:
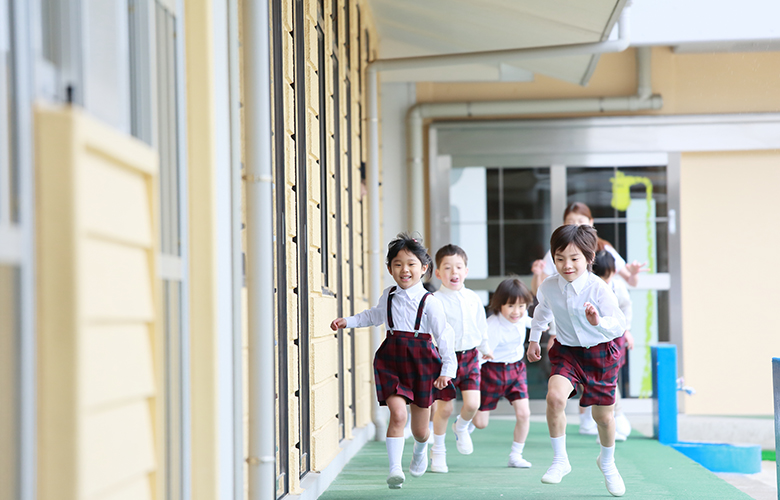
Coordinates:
260	240
415	128
641	101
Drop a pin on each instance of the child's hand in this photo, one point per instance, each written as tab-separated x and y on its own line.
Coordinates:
487	356
534	352
537	267
635	268
592	314
338	323
441	382
629	339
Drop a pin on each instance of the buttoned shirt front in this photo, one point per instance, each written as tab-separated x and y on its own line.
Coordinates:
466	315
507	338
405	305
565	303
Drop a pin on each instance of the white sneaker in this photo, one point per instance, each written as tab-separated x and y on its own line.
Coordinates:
556	472
613	481
588	427
395	479
463	441
419	463
439	462
518	461
622	425
471	427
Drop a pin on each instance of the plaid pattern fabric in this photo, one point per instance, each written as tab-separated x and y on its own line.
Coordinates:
407	366
595	368
467	378
620	342
502	380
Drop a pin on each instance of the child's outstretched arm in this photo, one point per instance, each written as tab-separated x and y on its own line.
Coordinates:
370	317
605	314
338	323
542	317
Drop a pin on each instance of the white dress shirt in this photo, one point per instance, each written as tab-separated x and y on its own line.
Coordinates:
466	315
507	338
550	270
405	304
565	303
624	299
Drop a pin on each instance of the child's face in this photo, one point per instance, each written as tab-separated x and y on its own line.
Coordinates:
570	262
452	272
574	219
513	312
406	269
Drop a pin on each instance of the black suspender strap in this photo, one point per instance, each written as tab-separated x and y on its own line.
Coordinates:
417	321
390	309
419	314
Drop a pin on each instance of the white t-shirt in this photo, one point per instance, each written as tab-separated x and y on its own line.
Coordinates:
507	338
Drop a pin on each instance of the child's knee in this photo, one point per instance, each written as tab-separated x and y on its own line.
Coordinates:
603	418
444	409
398	417
523	414
556	400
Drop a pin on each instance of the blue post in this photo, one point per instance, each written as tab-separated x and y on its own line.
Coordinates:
776	382
664	359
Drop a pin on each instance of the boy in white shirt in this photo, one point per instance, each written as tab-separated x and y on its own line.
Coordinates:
588	319
466	314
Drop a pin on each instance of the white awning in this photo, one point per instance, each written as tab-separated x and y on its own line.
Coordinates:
410	28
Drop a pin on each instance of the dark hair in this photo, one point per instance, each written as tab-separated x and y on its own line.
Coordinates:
448	250
583	237
603	264
580	208
510	291
413	245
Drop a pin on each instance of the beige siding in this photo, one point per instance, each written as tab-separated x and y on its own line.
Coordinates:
98	307
8	308
728	216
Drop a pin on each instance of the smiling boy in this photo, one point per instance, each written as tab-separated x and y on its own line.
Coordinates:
466	314
588	319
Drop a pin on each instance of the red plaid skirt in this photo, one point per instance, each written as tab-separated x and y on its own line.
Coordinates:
596	368
407	366
467	378
620	342
502	380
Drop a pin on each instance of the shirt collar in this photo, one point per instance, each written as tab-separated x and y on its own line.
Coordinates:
577	284
446	291
414	292
508	324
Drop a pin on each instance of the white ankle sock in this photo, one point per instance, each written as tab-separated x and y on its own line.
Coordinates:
607	459
395	451
559	449
461	425
438	440
419	447
517	448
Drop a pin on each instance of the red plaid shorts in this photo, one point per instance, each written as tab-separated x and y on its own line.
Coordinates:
596	368
620	342
407	366
467	378
502	380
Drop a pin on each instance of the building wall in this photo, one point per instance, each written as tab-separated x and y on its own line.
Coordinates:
727	220
337	283
719	192
100	398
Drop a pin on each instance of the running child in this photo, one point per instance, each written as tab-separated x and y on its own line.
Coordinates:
505	375
466	314
604	268
407	366
588	319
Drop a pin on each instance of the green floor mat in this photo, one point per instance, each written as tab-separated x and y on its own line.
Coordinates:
649	469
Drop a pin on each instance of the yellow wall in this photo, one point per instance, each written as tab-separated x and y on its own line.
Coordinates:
728	226
99	368
688	83
8	329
